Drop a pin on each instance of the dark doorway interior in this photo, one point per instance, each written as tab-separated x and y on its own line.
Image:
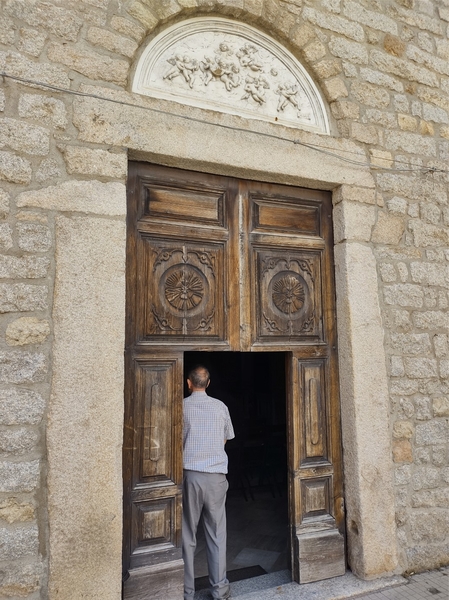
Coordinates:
253	387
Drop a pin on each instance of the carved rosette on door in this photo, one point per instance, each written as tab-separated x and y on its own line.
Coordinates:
183	289
288	294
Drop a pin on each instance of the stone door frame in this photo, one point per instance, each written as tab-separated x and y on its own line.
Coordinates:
84	482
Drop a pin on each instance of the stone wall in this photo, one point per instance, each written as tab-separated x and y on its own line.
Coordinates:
383	67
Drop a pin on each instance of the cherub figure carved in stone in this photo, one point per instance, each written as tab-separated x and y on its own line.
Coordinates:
255	88
287	95
208	66
248	57
225	48
175	70
182	65
226	72
230	76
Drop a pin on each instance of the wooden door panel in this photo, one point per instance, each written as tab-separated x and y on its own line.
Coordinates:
320	555
192	204
153	525
316	495
313	394
284	215
155	455
315	478
169	195
182	286
288	296
157	420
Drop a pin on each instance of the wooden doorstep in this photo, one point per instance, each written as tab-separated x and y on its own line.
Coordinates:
159	582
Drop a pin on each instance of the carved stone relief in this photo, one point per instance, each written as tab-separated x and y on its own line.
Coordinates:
229	66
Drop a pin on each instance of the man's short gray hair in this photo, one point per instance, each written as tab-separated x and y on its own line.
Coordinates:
200	377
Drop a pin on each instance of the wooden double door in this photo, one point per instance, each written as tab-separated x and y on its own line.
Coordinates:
220	264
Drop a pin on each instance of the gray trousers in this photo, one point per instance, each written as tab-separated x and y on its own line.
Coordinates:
204	495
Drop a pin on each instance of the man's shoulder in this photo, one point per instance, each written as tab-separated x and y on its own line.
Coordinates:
210	400
218	404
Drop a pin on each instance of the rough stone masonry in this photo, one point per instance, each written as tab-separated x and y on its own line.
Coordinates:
383	69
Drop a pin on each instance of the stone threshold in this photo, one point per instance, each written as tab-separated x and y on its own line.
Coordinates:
275	586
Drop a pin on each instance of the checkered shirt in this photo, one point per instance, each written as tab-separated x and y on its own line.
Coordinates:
207	425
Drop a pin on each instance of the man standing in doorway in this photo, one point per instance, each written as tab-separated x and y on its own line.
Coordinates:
207	427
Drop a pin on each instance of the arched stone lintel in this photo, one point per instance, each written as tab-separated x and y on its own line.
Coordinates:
229	66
